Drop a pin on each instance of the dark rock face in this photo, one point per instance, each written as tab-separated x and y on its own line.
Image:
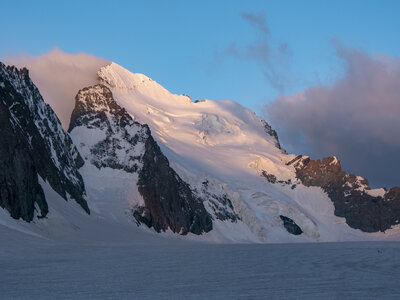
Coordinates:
129	146
291	226
92	104
349	194
270	177
19	186
33	143
268	129
169	200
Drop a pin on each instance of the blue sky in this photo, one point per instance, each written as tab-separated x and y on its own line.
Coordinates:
181	44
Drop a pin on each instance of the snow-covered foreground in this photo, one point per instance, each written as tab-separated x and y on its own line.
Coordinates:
152	267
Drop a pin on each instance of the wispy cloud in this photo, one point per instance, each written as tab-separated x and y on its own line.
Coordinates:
357	117
258	20
272	60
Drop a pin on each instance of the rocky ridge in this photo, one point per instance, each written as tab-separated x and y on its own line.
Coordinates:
33	144
268	129
127	145
350	194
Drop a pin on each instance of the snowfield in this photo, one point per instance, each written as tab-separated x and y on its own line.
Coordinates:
143	266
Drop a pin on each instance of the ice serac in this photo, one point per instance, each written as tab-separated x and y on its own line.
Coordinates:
351	194
33	144
114	140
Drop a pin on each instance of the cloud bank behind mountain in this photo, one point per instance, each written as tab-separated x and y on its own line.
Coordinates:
356	118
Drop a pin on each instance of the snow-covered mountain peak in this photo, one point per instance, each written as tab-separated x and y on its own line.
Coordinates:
119	77
207	122
182	126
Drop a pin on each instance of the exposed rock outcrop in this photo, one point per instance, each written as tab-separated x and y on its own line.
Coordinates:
19	186
268	129
33	143
291	225
121	140
127	145
350	194
220	203
169	200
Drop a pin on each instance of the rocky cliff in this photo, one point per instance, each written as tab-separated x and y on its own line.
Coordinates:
33	144
123	144
350	194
